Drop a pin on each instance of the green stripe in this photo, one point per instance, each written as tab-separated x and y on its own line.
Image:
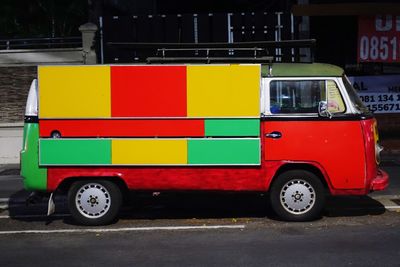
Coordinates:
75	152
232	127
224	151
34	177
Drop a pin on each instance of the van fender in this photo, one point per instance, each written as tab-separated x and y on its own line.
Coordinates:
275	168
60	180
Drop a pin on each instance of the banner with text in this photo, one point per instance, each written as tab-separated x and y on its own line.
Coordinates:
379	38
381	93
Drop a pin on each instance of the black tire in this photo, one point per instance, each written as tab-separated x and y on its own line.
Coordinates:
297	195
94	202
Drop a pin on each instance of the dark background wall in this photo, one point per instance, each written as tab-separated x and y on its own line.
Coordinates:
336	39
41	18
137	7
14	88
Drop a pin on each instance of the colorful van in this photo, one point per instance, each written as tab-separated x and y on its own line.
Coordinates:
295	130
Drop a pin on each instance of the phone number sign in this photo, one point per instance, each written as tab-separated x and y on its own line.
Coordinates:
381	102
379	38
380	93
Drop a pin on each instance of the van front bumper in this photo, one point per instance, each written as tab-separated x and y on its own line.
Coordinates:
380	182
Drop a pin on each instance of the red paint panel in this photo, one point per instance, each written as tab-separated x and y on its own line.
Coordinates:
123	128
337	146
170	178
185	178
371	165
255	178
239	178
148	91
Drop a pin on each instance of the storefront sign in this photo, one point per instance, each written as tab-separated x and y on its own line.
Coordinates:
376	83
381	102
379	38
381	93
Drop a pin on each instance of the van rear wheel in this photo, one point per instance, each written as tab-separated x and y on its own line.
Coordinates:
297	195
94	202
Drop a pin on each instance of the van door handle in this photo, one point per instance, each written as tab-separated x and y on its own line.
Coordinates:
274	135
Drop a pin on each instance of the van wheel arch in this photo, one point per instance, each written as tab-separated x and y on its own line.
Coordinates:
67	182
306	167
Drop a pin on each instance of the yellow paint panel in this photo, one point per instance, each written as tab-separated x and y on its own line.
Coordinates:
74	91
149	152
223	91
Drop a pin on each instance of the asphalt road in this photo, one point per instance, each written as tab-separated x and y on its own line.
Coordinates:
10	184
203	230
370	240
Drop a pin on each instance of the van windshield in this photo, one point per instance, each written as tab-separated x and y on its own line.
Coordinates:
355	99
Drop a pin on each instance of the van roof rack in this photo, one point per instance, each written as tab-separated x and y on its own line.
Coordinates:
237	52
209	60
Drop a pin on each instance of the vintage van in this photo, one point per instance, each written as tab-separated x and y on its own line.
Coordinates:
295	130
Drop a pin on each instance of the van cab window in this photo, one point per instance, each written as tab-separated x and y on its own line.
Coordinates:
354	98
303	96
335	100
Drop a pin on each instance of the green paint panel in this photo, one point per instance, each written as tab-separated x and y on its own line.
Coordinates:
34	177
75	152
232	127
224	151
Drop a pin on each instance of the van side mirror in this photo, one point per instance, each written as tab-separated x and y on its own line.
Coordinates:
323	110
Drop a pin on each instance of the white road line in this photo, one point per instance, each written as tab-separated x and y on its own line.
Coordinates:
33	216
392	207
128	229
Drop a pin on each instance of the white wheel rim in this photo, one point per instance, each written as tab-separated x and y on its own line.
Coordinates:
93	200
297	196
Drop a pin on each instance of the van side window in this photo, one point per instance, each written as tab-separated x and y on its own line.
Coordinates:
298	96
303	96
335	100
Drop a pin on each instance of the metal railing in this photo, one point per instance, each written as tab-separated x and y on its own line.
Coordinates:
260	51
34	43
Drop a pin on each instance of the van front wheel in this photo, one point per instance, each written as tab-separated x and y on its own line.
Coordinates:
297	195
94	202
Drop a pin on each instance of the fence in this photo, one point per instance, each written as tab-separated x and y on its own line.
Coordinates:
40	43
191	28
